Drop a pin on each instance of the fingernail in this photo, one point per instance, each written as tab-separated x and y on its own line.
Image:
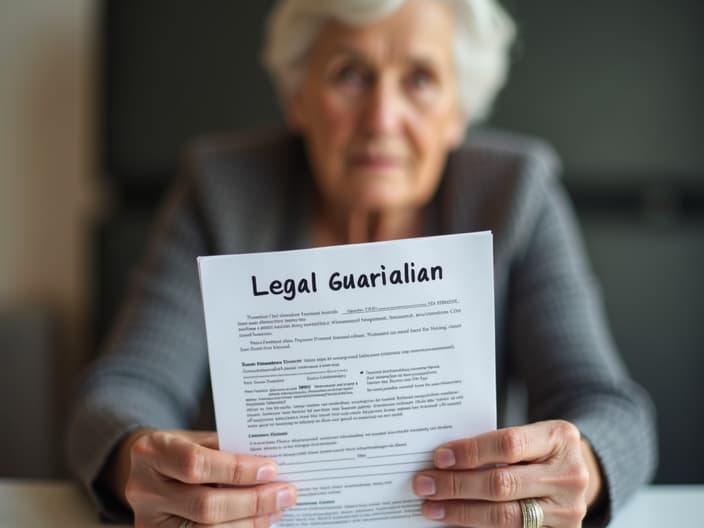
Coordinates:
434	510
266	473
444	458
425	485
284	499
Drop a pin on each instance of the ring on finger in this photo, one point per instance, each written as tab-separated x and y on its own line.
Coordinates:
532	512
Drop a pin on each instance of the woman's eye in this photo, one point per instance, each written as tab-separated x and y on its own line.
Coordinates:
421	79
350	75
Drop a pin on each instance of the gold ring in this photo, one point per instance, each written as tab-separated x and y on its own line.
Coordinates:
533	514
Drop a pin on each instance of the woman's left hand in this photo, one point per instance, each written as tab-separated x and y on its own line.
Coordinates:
547	461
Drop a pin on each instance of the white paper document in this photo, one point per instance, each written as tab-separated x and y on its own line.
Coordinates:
348	365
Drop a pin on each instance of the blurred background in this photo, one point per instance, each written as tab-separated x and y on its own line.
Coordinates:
98	99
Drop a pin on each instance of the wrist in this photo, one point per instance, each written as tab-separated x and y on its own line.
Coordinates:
116	471
595	487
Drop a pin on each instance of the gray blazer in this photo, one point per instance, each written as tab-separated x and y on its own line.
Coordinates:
253	194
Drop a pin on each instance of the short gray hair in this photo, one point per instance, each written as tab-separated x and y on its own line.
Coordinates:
483	38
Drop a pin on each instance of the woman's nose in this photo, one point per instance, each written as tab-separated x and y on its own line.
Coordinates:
383	113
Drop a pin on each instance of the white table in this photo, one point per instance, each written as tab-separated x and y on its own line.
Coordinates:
663	507
45	503
59	504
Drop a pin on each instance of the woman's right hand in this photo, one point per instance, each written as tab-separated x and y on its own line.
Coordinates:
168	477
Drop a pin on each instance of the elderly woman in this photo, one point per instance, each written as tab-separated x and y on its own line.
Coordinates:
378	96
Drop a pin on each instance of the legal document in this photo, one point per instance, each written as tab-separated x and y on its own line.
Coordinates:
349	364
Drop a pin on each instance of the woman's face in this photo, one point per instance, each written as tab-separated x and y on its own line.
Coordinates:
378	108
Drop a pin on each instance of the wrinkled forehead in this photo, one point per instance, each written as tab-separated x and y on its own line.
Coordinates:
420	30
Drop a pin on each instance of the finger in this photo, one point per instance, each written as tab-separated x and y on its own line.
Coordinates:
477	514
480	514
205	438
262	521
511	445
179	458
496	484
207	505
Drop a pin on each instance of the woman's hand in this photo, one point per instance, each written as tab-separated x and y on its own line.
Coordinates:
547	461
171	476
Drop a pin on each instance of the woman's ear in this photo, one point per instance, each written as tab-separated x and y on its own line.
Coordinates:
294	112
456	130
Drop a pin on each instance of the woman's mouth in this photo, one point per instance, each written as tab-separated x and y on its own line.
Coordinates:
376	161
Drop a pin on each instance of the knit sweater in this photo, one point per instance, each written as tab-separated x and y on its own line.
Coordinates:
255	194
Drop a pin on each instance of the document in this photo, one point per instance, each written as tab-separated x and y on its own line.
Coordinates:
349	364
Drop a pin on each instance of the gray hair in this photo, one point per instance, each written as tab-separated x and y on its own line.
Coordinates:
484	35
